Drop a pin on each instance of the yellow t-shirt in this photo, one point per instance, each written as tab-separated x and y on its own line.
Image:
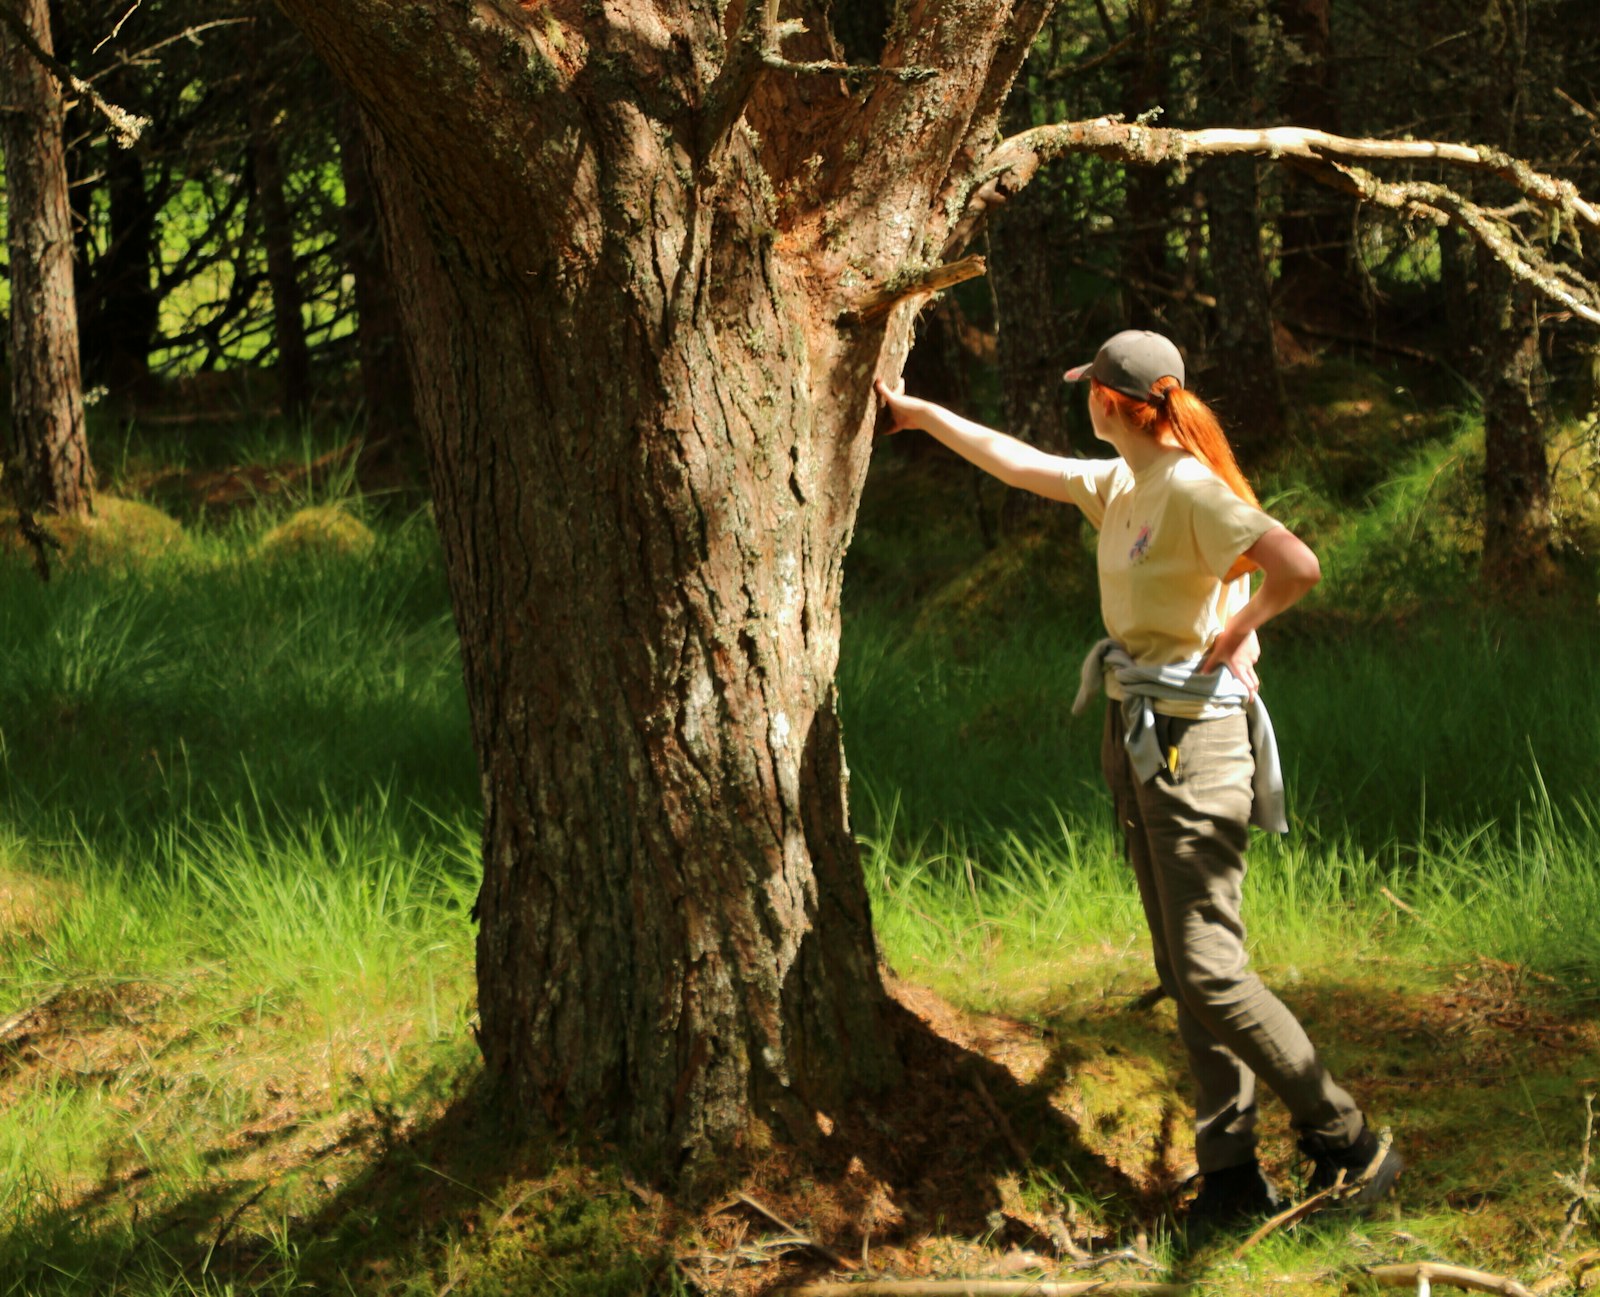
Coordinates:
1168	536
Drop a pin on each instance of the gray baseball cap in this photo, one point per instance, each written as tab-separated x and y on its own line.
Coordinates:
1130	362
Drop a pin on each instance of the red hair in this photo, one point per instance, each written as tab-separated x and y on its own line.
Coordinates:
1183	418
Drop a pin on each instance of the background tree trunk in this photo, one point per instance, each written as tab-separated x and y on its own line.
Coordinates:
47	455
1314	230
121	308
385	380
1150	193
1242	375
277	231
277	239
1519	532
1519	529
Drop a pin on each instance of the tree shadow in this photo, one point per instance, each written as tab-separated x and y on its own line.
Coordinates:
930	1156
940	1153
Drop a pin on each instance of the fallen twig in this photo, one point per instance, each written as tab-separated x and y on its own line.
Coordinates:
1569	1274
1128	1255
227	1225
1401	905
1337	1191
1421	1274
1581	1193
985	1288
820	1249
1299	1211
999	1119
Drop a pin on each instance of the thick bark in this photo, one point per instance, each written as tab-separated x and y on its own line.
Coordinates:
644	520
48	456
648	427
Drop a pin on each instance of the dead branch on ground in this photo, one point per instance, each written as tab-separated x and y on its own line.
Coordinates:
1421	1275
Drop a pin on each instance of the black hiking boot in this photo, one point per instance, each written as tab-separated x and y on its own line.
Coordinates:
1365	1163
1228	1199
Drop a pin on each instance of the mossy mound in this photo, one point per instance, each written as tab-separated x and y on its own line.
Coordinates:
119	531
320	529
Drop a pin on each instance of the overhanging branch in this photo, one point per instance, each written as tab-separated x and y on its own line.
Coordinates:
1330	159
930	279
125	126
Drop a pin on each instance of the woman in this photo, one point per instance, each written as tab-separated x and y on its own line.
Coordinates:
1187	751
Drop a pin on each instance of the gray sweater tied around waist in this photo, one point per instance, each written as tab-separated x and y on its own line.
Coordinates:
1182	681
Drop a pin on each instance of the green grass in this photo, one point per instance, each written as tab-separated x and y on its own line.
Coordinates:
238	834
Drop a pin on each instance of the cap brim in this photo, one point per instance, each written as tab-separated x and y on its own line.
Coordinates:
1077	373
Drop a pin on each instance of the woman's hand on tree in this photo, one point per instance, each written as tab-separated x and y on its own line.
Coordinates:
899	410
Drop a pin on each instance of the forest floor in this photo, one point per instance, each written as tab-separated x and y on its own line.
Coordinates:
238	834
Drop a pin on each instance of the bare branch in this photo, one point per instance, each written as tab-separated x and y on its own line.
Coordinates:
1444	206
189	34
1142	145
932	279
1329	159
850	71
725	100
117	30
125	126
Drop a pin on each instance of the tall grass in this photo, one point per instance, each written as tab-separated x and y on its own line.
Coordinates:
1414	776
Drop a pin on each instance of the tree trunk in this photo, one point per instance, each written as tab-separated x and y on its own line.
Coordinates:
644	519
277	238
1518	524
1150	195
1519	531
1314	230
121	308
1031	342
1243	377
48	456
648	422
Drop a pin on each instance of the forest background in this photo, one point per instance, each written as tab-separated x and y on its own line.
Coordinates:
242	810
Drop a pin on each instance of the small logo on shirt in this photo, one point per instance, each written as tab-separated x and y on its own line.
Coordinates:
1141	545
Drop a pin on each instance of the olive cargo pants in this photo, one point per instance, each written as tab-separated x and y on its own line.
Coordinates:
1185	833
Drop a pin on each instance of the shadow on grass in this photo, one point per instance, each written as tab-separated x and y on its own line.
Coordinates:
458	1201
437	1193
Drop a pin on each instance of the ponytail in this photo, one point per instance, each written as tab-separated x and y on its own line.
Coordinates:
1182	416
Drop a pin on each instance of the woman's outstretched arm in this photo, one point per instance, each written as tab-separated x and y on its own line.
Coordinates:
1014	462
